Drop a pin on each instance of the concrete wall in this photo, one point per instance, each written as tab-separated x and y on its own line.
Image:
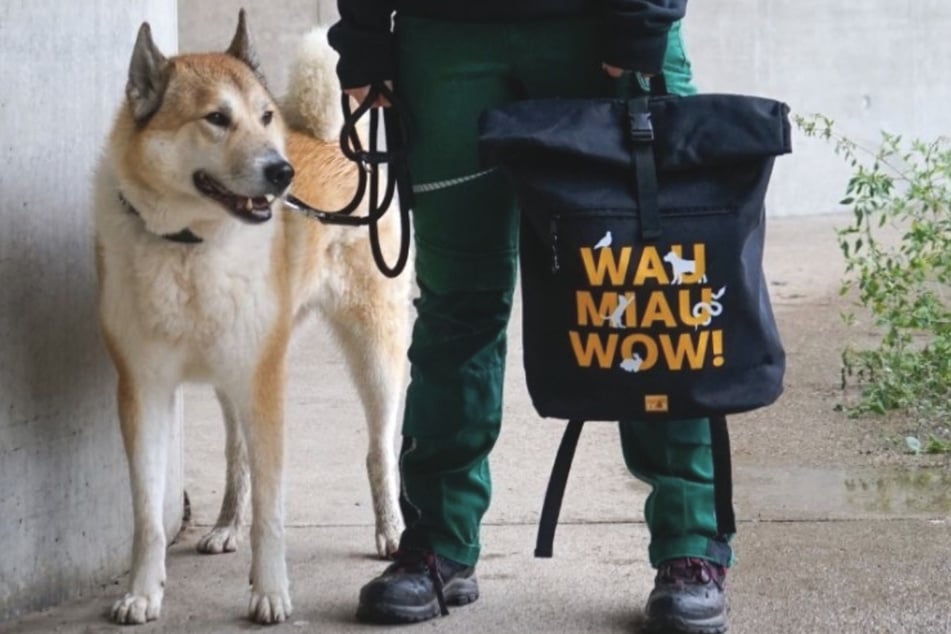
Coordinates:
208	25
65	520
871	65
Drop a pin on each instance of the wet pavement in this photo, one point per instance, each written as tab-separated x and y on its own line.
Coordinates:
839	530
844	493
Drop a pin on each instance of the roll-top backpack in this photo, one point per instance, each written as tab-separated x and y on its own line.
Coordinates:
643	295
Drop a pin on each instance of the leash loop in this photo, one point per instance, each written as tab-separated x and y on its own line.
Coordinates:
368	176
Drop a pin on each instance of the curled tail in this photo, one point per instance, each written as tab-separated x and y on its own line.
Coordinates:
312	102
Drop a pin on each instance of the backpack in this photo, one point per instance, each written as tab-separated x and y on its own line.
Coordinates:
643	295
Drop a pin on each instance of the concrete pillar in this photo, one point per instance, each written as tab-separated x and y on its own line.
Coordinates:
65	520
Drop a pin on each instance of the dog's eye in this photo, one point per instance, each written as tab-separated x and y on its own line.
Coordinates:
219	119
267	117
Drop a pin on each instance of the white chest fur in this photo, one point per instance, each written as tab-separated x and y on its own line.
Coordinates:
203	303
199	295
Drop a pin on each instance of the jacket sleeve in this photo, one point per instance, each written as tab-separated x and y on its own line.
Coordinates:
363	38
635	32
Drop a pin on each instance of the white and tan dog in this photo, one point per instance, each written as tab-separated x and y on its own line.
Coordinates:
203	275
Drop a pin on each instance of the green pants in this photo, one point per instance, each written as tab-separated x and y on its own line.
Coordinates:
466	258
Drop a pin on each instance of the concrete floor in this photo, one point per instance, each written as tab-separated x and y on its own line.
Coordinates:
839	532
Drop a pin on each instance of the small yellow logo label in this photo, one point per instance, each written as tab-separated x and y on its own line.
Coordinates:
655	403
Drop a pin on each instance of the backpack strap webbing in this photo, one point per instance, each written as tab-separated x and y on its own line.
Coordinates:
558	480
556	489
722	476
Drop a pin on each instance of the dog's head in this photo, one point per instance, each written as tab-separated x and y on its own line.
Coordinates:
203	133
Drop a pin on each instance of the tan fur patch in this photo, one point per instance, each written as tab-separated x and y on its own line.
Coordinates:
195	82
126	397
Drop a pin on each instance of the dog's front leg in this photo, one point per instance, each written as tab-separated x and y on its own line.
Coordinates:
263	419
146	414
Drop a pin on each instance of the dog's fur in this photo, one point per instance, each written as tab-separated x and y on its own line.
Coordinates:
223	311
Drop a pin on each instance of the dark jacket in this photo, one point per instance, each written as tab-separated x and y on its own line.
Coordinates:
634	31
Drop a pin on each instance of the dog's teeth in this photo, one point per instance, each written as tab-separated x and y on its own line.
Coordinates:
248	204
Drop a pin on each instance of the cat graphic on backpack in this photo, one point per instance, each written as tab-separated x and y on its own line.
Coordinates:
614	319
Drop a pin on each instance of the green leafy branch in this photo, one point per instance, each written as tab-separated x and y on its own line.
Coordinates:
904	286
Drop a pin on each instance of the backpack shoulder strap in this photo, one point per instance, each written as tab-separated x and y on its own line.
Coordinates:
556	489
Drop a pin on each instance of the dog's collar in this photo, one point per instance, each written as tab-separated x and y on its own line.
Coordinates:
185	236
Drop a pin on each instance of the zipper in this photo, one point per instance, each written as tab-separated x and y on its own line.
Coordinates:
555	266
581	214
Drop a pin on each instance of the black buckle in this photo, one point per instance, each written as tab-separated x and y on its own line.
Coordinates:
641	129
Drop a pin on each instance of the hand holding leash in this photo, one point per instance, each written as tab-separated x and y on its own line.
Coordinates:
374	97
360	94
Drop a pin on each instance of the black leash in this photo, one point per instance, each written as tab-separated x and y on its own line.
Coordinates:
368	184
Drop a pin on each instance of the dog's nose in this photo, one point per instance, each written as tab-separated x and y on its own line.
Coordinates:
279	174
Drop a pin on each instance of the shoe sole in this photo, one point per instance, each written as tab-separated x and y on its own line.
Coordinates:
673	625
457	592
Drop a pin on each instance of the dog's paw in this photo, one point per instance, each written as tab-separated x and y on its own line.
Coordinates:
387	544
388	538
134	609
268	609
219	540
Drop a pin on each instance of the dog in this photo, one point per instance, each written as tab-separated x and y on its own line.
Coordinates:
203	274
680	267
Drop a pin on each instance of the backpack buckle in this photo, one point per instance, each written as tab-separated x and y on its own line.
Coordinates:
640	127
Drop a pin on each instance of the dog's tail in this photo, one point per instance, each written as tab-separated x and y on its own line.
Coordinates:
312	102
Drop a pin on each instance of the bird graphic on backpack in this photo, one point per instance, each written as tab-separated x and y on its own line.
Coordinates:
605	241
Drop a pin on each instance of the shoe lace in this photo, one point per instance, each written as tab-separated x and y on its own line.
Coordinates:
691	570
433	567
412	560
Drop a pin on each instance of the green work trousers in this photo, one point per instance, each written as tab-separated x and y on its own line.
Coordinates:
466	240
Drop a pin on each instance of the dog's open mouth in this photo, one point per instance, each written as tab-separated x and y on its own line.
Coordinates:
254	209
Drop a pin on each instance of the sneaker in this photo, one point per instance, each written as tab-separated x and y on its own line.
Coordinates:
416	587
688	598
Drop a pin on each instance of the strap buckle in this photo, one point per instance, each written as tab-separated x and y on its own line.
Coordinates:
640	127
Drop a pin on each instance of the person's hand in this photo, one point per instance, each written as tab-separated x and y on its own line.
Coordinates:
360	93
614	72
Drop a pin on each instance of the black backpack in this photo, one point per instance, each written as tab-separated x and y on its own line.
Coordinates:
643	295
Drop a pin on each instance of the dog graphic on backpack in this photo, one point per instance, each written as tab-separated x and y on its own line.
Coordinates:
680	266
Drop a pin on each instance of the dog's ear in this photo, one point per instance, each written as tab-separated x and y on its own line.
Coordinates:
242	48
148	76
